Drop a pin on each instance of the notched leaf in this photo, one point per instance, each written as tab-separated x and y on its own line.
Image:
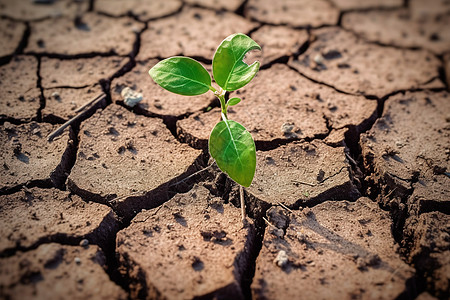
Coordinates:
181	75
229	70
234	151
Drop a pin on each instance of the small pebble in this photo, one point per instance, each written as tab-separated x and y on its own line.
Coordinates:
282	259
318	59
399	144
77	260
302	237
84	243
278	233
287	127
131	97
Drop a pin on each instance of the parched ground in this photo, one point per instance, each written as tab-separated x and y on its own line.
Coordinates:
350	113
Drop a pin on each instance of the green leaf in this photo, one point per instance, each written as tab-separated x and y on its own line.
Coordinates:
229	70
233	148
181	75
233	101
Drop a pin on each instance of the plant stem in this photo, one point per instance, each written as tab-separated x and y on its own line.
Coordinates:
223	105
241	193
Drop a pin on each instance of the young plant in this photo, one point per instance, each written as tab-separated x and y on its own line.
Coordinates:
230	144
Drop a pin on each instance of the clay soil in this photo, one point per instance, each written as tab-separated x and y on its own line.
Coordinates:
350	113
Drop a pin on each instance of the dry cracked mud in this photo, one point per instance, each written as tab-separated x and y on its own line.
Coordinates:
69	220
351	118
319	250
54	271
344	61
193	246
138	155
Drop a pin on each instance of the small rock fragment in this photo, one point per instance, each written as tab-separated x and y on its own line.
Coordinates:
131	97
282	259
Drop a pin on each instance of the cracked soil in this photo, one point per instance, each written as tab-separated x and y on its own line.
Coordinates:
350	113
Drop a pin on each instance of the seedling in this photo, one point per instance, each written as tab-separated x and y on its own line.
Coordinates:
230	144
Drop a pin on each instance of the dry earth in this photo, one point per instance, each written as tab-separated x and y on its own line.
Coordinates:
351	117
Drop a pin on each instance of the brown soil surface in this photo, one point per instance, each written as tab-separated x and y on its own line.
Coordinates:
367	4
278	42
198	32
18	86
342	60
138	155
401	29
294	13
351	118
192	246
55	271
61	104
335	250
93	33
144	10
76	219
79	72
11	34
27	157
34	11
231	5
301	174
